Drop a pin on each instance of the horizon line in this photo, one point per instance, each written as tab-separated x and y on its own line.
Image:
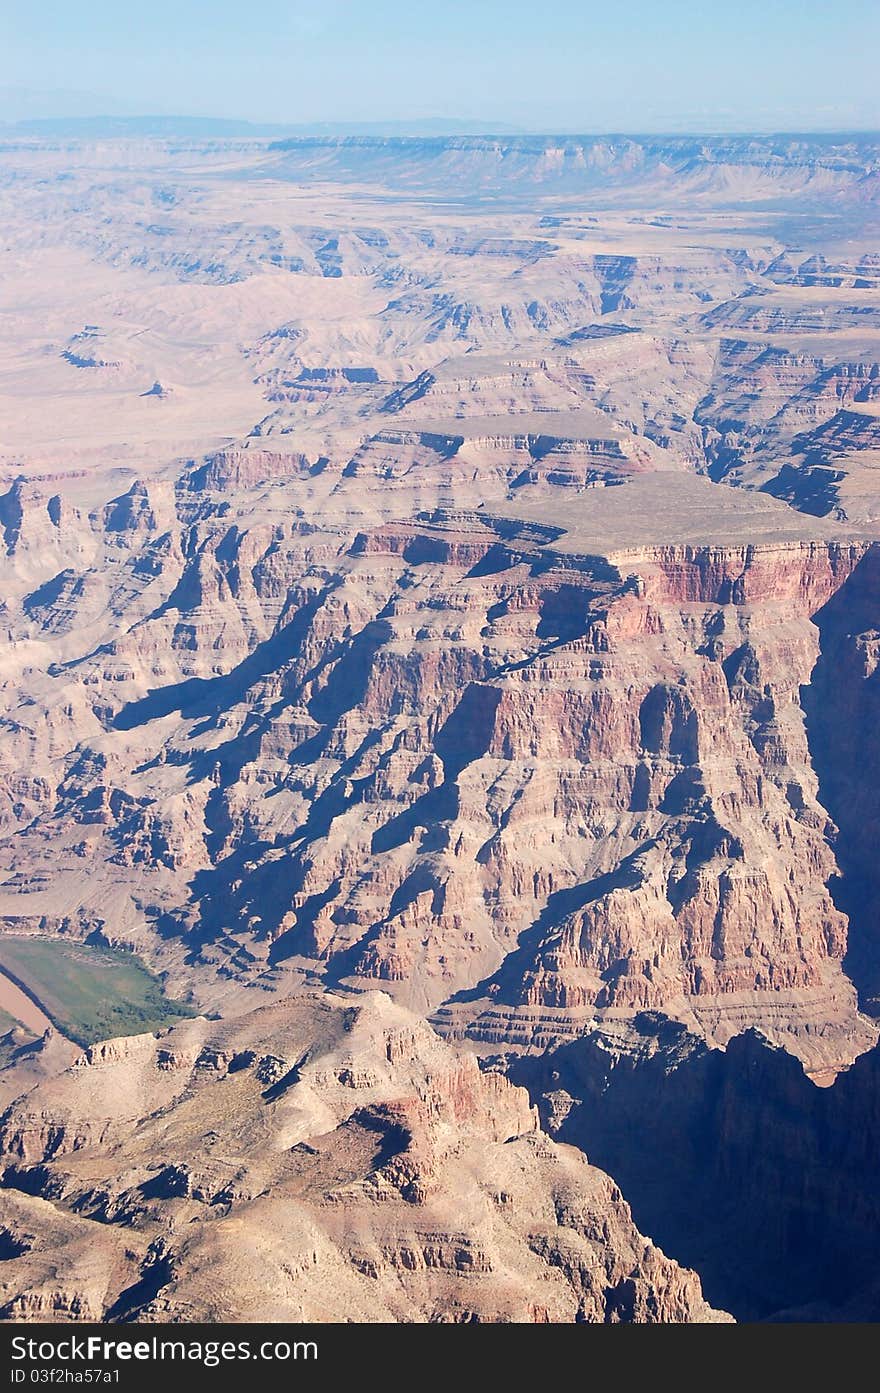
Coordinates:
476	127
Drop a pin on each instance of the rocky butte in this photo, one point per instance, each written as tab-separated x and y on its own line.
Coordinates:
440	626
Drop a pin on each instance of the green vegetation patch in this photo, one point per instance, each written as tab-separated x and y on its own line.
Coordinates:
88	992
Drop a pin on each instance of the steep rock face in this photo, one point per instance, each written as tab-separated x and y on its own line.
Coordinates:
370	749
773	1190
323	1158
797	423
697	895
39	528
842	724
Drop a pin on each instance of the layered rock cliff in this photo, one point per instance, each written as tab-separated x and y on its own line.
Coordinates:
359	755
326	1158
473	602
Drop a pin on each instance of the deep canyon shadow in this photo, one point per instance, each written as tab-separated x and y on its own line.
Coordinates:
842	708
733	1161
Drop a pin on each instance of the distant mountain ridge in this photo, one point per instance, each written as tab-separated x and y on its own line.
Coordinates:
723	170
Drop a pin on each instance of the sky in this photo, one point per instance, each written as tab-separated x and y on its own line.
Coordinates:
547	65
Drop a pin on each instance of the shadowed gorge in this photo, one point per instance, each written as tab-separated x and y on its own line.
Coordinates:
769	1184
843	707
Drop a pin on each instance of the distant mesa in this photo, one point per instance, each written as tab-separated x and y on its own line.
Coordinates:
87	360
81	353
596	331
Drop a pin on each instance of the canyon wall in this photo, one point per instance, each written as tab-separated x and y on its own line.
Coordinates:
439	634
765	1183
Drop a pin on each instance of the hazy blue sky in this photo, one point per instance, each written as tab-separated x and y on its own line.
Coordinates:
548	64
